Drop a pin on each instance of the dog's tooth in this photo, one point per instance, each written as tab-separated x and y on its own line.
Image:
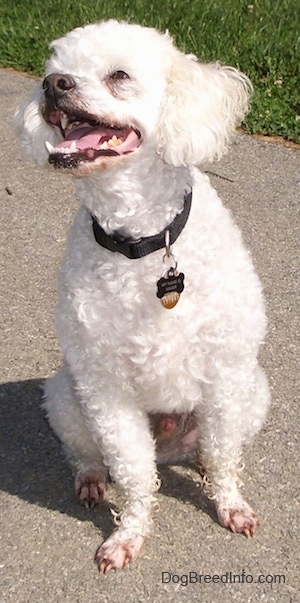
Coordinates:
114	141
104	145
64	121
49	147
72	147
74	125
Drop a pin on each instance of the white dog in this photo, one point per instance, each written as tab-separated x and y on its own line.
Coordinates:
147	376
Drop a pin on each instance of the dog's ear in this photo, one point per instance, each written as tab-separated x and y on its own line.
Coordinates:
32	130
202	107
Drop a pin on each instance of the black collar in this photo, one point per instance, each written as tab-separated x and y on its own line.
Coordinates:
138	248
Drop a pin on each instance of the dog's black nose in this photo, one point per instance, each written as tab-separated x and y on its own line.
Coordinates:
57	84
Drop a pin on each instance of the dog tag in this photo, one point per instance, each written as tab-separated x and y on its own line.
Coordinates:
169	288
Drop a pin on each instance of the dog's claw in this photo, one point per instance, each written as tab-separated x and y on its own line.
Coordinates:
105	566
90	488
240	519
116	554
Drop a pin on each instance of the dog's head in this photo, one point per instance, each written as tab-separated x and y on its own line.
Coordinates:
113	91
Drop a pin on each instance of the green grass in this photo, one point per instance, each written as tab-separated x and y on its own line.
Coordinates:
261	37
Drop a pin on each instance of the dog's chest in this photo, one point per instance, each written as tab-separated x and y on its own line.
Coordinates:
109	309
110	318
123	299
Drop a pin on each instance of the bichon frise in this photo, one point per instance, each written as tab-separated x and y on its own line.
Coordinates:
160	312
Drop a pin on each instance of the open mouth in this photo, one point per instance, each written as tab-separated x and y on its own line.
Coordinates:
86	139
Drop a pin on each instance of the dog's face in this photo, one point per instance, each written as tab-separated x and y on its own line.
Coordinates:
113	91
102	93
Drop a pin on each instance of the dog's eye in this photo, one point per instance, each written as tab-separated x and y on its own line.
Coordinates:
119	75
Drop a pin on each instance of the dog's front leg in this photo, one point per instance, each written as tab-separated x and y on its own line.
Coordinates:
234	409
121	431
221	483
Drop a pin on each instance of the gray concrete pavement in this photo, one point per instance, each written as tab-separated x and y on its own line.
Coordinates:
47	539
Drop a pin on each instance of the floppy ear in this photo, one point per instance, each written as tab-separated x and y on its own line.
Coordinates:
202	107
32	130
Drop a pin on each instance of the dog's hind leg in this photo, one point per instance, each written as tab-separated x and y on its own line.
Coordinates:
65	418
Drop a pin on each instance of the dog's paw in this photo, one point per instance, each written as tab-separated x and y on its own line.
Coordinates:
90	488
116	554
240	518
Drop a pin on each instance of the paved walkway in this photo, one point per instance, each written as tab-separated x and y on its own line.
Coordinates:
48	540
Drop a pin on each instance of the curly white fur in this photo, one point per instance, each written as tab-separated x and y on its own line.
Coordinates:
125	355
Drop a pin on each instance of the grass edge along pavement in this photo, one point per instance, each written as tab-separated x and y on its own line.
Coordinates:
261	38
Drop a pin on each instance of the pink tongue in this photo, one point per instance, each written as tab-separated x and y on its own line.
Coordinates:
87	137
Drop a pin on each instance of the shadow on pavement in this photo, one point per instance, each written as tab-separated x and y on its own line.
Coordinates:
33	467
